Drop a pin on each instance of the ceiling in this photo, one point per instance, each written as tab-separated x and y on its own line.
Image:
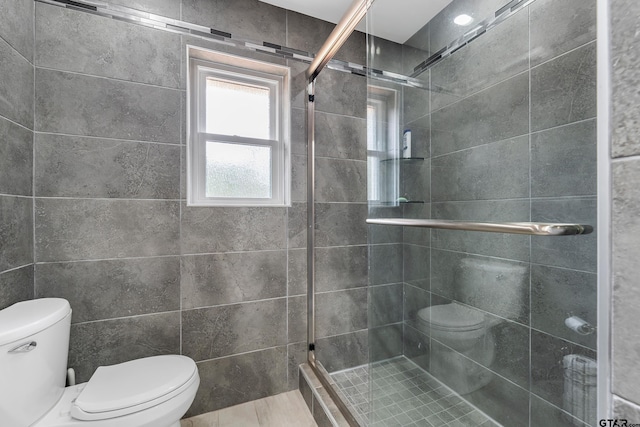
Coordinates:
395	20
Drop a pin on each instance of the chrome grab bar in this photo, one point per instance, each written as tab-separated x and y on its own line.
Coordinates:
531	228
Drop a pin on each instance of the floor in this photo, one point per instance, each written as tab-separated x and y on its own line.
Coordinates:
282	410
404	395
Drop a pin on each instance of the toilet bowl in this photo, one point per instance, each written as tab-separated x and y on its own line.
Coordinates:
464	345
34	338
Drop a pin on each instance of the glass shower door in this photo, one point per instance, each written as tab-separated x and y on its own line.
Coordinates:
489	121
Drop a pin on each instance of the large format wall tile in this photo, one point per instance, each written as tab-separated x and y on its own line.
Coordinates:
385	342
232	277
417	265
492	244
341	267
16	232
483	63
415	180
75	229
109	342
297	272
106	47
221	229
16	26
625	409
238	379
564	90
16	86
626	293
208	333
250	19
557	27
385	264
100	290
545	414
502	400
16	286
385	304
92	106
557	294
502	288
415	299
563	161
340	312
298	178
574	252
340	136
339	224
625	101
343	351
16	159
548	376
340	181
297	225
495	114
67	166
297	319
494	171
341	93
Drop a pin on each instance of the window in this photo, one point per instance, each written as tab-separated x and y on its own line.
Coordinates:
382	146
238	139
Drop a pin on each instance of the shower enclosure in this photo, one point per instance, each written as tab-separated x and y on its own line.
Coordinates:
471	297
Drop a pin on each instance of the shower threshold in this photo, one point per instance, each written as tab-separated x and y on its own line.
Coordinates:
403	394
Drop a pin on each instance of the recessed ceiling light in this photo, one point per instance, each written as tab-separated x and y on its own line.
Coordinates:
463	19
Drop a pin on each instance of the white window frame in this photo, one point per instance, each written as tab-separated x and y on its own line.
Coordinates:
204	63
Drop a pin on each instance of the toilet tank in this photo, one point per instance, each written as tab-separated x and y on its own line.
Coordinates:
34	343
493	285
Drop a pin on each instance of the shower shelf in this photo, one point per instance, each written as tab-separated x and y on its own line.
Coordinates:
404	160
531	228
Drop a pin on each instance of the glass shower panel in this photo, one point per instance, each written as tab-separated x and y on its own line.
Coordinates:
474	328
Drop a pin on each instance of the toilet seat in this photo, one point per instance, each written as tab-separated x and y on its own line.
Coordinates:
126	388
452	317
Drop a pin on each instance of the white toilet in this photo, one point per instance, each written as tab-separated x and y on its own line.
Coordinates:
465	332
34	342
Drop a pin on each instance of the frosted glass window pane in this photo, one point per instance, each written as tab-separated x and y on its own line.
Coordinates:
238	109
235	170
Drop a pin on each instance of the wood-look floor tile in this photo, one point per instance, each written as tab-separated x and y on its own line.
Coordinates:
282	410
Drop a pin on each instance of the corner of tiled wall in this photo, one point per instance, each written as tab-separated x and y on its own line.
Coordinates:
16	152
625	166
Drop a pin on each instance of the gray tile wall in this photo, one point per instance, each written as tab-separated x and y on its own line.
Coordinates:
508	131
104	181
625	153
342	308
16	152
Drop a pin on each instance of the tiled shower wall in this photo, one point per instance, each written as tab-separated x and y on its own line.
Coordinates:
16	152
144	273
508	132
625	154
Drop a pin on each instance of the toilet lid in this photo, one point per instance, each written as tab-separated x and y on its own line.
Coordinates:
452	316
129	384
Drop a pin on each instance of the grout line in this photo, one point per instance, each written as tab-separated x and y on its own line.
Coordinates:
132	141
15	268
241	354
77	73
114	199
18	124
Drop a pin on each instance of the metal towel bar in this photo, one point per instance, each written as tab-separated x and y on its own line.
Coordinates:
531	228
